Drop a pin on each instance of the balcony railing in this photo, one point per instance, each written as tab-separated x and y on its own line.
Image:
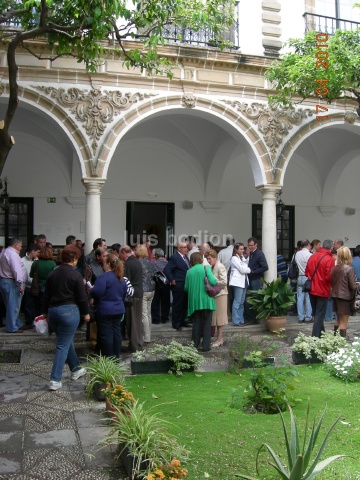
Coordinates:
175	34
329	25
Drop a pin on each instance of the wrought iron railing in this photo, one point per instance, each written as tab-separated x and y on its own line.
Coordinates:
329	25
205	37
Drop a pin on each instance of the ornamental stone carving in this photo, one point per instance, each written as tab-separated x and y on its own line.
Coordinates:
273	123
188	101
94	108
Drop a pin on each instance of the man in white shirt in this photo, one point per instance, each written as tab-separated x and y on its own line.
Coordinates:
303	299
225	254
191	245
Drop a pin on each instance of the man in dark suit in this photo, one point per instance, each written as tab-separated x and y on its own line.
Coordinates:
258	265
175	270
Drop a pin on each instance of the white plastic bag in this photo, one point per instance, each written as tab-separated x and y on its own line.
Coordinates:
41	325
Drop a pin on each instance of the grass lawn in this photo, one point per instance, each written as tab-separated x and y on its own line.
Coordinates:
223	441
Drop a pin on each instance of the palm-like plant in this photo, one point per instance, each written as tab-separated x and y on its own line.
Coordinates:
300	465
273	300
101	369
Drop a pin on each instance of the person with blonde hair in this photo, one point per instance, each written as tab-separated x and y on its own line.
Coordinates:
343	284
109	294
219	316
148	270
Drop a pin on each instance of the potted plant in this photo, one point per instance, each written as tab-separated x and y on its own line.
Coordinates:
306	349
102	370
173	357
117	397
143	440
241	346
272	303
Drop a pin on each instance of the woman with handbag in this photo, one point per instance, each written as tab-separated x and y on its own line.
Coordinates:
238	280
343	284
200	304
64	301
219	316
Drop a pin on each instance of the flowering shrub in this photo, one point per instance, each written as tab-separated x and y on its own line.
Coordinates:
170	471
322	347
345	363
118	396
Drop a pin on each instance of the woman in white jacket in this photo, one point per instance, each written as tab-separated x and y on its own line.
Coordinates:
238	280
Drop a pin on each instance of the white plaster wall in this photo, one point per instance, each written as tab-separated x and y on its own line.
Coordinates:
292	21
250	27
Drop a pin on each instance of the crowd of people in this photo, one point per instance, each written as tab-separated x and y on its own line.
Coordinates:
114	291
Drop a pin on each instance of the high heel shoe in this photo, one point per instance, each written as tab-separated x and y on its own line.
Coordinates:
218	344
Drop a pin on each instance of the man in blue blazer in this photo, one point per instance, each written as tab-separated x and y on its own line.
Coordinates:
175	271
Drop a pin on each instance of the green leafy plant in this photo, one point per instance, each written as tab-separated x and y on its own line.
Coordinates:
273	300
328	343
300	466
146	437
184	357
269	385
242	345
101	369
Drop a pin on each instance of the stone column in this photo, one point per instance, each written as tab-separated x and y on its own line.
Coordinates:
271	29
93	188
269	240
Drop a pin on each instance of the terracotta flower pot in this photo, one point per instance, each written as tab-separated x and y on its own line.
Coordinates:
274	324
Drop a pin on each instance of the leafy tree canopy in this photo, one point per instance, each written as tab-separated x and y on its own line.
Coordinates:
83	28
306	72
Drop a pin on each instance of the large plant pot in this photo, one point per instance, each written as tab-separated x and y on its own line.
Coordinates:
129	461
151	366
274	324
299	358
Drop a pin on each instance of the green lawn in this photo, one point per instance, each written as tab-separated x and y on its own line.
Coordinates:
223	441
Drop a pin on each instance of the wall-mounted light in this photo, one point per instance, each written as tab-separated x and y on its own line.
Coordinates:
4	197
280	206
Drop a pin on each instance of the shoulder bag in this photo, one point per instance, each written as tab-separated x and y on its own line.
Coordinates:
35	285
355	301
160	279
210	290
307	285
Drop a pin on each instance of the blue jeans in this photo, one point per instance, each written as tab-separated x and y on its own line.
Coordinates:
238	305
319	305
303	300
10	291
329	312
64	320
109	334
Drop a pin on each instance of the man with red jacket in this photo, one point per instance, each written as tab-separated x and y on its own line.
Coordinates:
321	263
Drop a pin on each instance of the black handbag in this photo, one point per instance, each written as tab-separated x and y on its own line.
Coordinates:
307	285
160	279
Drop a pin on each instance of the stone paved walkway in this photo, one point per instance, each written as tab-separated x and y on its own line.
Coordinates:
54	435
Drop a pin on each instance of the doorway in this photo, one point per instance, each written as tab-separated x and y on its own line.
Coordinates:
153	219
17	220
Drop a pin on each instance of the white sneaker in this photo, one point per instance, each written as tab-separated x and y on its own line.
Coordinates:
54	385
78	373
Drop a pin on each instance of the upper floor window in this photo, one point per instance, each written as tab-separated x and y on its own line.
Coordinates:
330	15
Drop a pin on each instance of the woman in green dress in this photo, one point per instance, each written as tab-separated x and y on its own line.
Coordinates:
200	305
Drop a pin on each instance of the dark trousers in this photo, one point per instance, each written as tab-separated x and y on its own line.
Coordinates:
109	334
28	306
160	306
38	303
201	320
249	313
318	305
179	307
134	325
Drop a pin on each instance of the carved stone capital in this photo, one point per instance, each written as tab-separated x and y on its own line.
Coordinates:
94	108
